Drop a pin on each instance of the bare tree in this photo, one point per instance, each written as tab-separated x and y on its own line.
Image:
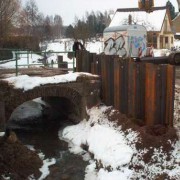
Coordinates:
58	26
81	30
48	31
8	12
32	15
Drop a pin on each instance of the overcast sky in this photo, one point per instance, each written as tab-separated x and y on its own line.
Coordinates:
68	9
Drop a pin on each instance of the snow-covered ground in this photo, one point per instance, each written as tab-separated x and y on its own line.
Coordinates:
177	110
114	151
26	82
64	46
35	60
110	149
95	47
23	61
161	52
53	50
177	45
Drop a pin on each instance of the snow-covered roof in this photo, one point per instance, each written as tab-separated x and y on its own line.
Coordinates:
152	21
123	28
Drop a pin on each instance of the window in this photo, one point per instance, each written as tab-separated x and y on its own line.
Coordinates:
166	40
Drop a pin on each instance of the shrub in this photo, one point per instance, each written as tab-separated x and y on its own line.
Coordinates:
5	54
21	42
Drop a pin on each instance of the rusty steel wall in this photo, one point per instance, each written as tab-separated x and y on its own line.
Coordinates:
136	90
143	91
2	116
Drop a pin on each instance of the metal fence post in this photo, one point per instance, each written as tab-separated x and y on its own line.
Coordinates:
16	64
73	60
28	58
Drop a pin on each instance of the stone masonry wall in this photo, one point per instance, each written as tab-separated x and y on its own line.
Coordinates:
83	94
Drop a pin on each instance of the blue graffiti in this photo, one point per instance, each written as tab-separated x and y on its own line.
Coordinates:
138	42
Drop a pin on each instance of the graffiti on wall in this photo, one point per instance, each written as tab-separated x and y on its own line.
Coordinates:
117	46
137	44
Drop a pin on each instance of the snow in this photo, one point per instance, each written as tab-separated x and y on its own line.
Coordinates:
54	47
105	175
45	168
141	18
161	52
40	101
2	134
114	153
107	143
177	110
113	149
26	82
23	61
52	52
177	43
95	47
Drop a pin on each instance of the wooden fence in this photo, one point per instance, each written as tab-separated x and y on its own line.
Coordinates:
143	91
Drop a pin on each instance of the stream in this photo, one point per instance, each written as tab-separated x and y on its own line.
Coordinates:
45	139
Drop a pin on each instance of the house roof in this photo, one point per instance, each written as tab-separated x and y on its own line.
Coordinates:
178	15
123	28
176	23
152	21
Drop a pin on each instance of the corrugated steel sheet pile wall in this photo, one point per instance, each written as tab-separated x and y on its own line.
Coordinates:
140	90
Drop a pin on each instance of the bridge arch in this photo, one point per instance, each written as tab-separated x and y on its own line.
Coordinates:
47	92
83	93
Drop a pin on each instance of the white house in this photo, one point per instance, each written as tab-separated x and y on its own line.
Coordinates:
158	24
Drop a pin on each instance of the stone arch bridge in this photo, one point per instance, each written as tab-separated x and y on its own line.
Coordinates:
83	94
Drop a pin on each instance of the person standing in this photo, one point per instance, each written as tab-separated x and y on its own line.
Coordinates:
77	46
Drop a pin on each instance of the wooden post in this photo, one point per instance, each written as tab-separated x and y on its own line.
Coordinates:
2	116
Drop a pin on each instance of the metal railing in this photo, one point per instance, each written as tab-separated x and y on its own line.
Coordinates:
44	61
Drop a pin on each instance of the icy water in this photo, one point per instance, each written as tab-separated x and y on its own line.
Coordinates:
68	166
